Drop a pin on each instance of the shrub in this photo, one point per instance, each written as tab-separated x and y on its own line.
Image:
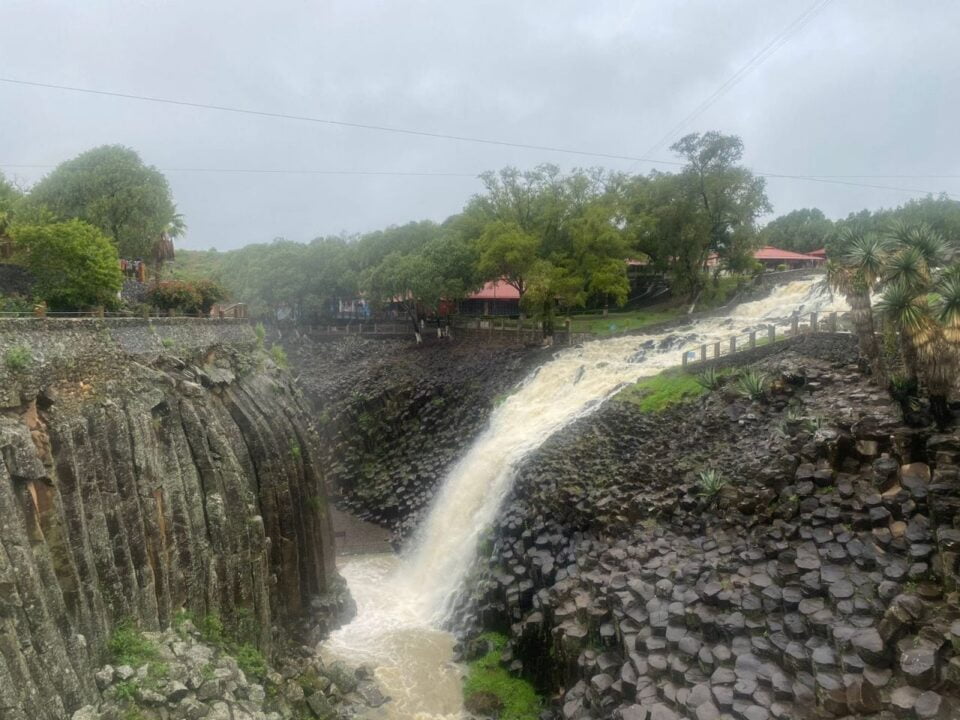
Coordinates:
279	356
74	265
210	292
261	333
781	267
211	629
710	482
175	295
752	385
18	358
251	661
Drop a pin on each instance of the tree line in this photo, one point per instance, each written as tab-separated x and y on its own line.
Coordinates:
560	239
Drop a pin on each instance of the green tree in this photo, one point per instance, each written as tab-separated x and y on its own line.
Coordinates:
74	265
507	252
800	230
442	268
111	188
551	285
908	279
10	196
856	276
599	253
727	196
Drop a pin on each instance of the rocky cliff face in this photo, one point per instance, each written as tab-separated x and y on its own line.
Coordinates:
820	581
395	417
147	469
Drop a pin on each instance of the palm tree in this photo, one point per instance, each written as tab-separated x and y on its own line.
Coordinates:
948	313
856	276
908	282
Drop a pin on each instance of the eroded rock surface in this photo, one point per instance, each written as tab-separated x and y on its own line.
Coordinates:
395	417
821	581
147	469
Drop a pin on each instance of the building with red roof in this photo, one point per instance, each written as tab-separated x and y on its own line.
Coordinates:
494	298
771	258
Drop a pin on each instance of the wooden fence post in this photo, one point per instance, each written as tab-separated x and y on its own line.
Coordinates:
683	358
794	323
716	349
733	344
569	334
703	353
753	339
772	332
833	321
813	322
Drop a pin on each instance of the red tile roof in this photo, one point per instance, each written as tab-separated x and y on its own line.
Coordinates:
821	253
774	254
499	290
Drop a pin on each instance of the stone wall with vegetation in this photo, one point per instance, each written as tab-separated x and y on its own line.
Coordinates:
709	553
149	470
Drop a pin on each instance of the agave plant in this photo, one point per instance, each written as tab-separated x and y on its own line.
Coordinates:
752	385
710	482
948	306
710	379
909	311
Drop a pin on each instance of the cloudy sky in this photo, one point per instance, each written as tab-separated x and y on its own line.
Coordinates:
865	88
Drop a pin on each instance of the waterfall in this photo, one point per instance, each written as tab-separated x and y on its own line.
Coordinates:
419	589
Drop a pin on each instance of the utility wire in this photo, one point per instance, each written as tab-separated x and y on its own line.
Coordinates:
337	123
765	52
828	179
282	171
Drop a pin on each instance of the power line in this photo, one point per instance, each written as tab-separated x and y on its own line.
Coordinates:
781	39
822	179
336	123
765	52
280	171
828	179
893	177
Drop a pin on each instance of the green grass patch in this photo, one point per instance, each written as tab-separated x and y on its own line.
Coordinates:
128	646
621	321
485	675
657	392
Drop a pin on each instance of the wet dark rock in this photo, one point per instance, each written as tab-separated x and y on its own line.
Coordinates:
484	704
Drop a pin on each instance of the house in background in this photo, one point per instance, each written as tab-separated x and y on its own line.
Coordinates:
495	298
772	258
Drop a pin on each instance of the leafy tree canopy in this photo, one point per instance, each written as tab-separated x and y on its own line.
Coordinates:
801	230
75	266
111	188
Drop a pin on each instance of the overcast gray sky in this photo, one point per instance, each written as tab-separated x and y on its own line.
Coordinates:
868	87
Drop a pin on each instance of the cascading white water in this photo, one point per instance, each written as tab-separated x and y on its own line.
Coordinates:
403	602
